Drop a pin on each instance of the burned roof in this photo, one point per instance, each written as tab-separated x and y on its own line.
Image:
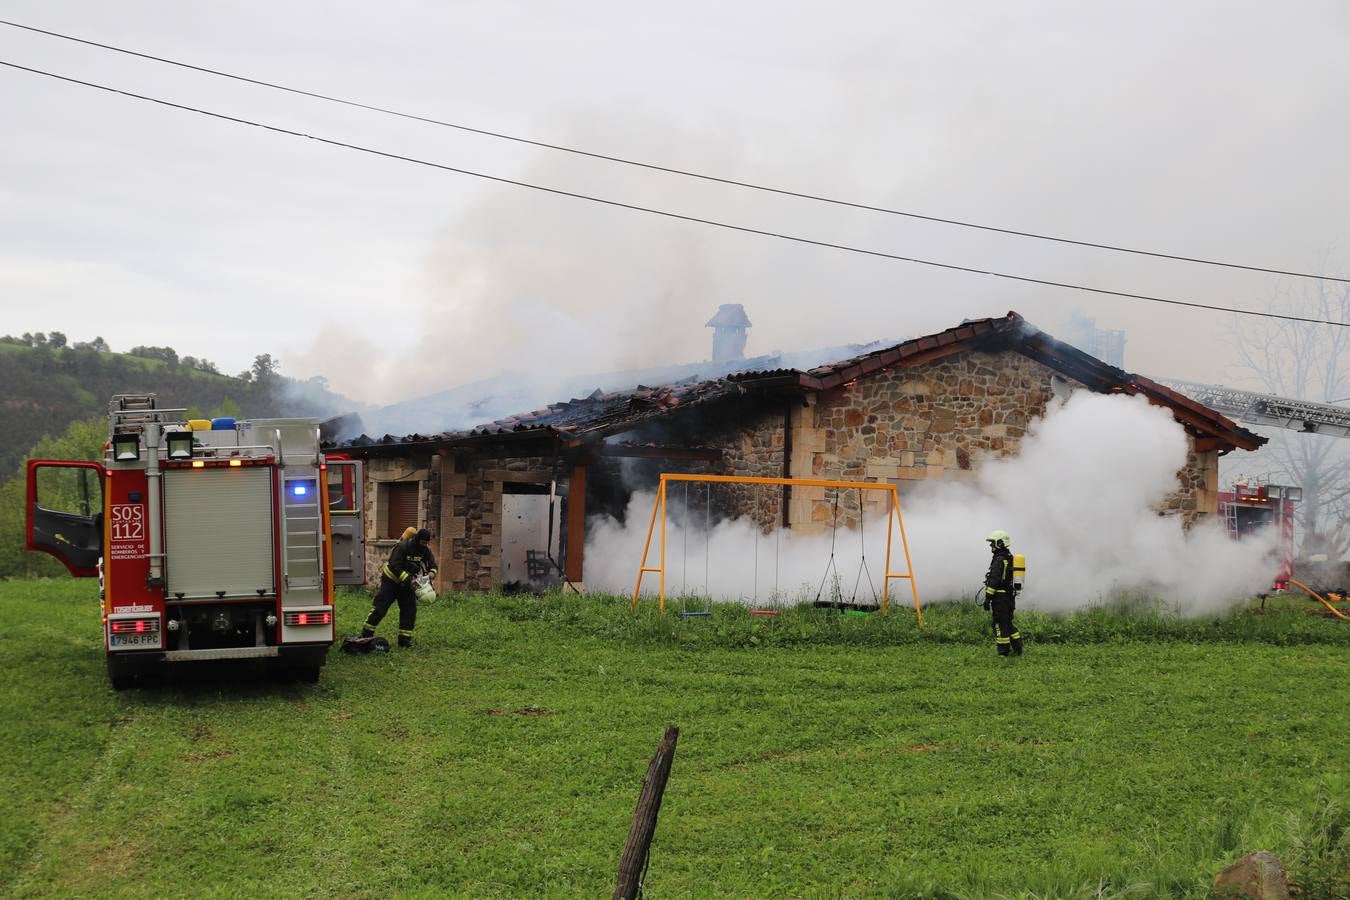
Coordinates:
1012	332
600	415
572	421
605	414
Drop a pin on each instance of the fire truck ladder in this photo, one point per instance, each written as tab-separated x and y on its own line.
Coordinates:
133	409
1228	512
1267	409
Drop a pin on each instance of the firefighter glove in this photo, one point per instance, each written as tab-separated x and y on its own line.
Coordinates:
985	604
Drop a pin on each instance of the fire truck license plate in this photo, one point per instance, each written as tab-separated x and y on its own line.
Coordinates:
144	639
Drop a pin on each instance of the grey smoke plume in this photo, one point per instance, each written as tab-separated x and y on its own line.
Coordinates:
1078	501
521	294
480	402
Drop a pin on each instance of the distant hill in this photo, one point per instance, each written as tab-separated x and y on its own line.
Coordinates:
43	389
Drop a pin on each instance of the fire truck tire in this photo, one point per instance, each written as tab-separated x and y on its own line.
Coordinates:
307	673
120	674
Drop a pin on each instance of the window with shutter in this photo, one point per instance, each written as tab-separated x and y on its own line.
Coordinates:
400	504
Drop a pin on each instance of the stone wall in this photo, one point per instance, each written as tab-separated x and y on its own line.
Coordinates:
935	420
460	501
749	434
471	514
1198	494
754	449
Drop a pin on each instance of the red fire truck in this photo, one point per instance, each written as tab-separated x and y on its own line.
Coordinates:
211	539
1249	508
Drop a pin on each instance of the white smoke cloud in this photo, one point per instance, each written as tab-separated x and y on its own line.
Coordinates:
1078	501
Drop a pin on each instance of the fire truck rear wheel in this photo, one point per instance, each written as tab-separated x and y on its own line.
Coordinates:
303	672
307	674
120	673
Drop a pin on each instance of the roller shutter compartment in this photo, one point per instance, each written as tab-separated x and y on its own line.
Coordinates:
218	532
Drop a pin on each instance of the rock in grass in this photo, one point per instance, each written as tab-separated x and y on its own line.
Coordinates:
1257	875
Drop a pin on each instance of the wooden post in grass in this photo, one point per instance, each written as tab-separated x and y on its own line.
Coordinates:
635	850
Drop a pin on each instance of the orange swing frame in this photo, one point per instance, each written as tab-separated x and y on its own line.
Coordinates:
893	518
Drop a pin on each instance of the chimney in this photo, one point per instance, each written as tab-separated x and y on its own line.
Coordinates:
728	327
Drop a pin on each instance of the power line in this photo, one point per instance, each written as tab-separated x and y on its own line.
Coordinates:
655	167
667	214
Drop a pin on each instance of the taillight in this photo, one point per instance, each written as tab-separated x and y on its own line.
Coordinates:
134	626
308	618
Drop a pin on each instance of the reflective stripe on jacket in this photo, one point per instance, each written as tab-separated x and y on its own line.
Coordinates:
407	559
1000	577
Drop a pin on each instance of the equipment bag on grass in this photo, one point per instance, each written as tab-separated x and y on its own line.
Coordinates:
358	644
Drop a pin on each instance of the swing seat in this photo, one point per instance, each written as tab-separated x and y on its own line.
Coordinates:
857	613
764	612
845	606
694	613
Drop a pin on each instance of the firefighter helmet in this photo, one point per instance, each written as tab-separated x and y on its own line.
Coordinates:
999	538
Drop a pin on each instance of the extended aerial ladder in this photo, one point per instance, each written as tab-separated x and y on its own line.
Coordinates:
1267	409
1303	416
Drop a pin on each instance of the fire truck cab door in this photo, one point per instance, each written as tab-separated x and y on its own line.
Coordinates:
64	513
345	520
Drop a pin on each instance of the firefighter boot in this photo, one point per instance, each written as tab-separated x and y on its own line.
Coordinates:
1001	641
1017	643
405	638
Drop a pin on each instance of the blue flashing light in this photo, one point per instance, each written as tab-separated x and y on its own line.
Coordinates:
299	490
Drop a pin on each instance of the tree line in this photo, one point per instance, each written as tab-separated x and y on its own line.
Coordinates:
48	384
263	365
55	400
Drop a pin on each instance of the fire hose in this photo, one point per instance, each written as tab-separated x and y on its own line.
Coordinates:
1320	599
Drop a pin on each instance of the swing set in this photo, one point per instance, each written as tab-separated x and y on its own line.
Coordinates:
893	518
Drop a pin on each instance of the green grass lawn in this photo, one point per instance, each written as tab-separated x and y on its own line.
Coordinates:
1123	755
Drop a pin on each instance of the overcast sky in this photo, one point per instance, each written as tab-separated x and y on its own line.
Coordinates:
1207	129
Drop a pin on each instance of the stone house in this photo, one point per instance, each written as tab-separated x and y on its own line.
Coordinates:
931	407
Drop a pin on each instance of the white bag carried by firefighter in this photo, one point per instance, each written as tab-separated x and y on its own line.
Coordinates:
423	590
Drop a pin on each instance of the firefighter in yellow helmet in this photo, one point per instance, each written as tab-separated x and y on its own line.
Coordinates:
1000	597
410	557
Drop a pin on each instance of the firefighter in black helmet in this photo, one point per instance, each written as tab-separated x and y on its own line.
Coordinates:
1000	596
410	557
